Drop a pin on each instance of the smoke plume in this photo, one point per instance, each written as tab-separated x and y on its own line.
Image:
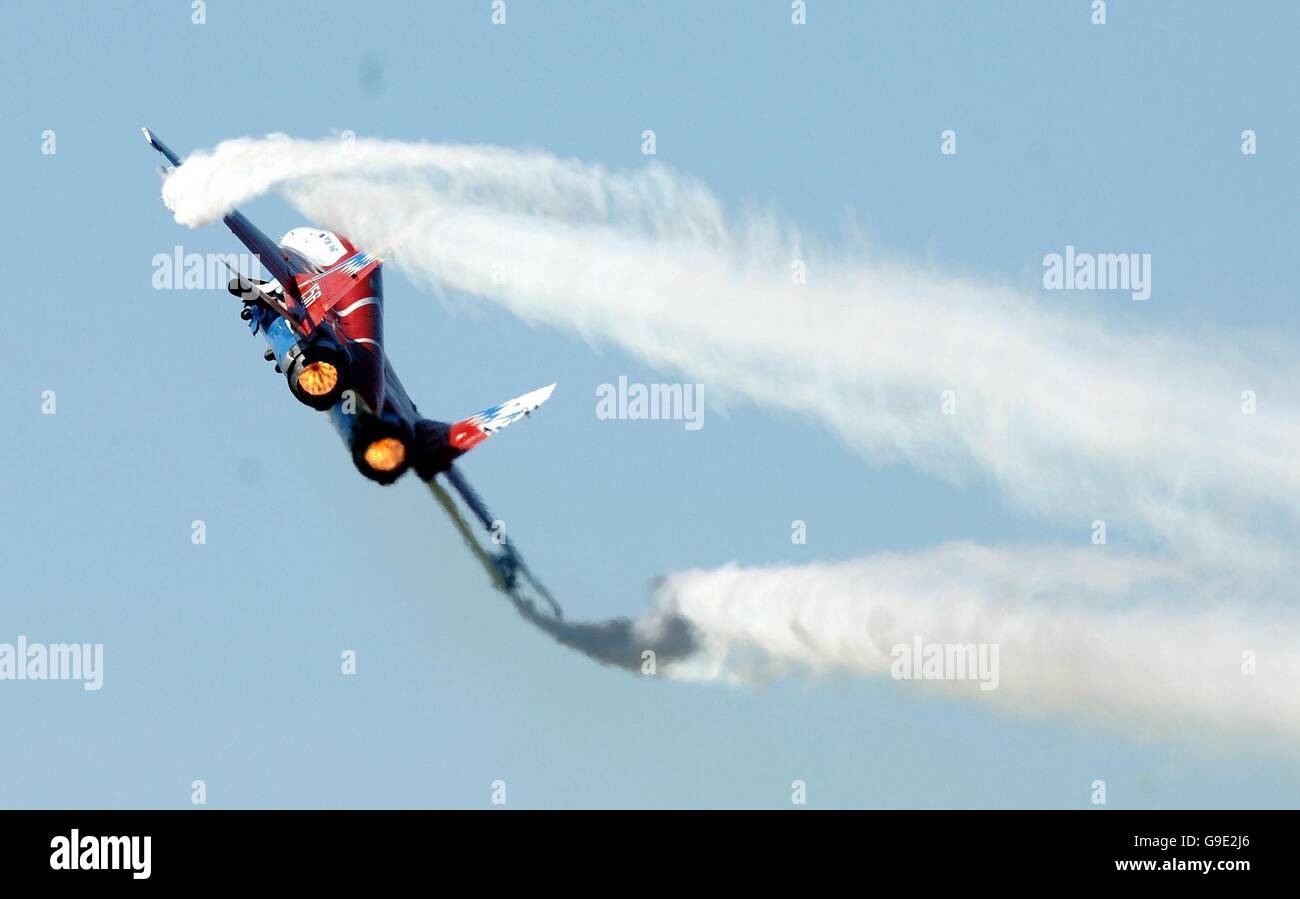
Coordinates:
1072	419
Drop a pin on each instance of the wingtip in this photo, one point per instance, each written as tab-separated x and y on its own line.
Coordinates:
532	401
540	395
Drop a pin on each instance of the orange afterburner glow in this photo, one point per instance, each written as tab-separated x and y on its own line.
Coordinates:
318	378
385	454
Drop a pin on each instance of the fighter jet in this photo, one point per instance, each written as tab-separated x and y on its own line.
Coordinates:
322	318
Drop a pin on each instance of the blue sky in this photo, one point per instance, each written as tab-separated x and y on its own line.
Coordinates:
222	660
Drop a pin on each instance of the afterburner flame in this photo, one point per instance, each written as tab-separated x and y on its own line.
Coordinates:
385	454
318	378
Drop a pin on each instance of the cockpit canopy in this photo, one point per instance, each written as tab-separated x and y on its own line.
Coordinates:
319	248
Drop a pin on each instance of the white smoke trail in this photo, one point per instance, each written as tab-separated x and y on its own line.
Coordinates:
1138	645
1074	420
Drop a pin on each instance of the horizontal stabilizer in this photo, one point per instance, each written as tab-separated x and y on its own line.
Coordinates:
470	432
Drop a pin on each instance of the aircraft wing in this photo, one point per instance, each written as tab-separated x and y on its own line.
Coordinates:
499	557
161	147
266	250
